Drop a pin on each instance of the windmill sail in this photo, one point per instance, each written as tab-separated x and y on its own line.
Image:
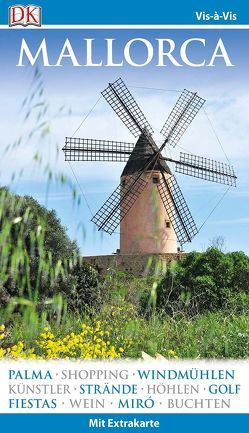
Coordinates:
183	113
207	169
119	203
146	156
85	149
177	209
122	102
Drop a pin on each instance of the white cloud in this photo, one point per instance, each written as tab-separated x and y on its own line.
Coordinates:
235	221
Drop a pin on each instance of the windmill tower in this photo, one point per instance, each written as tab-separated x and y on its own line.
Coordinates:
148	203
146	228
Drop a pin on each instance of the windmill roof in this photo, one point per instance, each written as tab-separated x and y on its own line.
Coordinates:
140	155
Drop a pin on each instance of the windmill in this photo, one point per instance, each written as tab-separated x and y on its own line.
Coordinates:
148	203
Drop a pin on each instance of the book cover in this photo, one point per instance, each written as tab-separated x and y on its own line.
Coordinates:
124	267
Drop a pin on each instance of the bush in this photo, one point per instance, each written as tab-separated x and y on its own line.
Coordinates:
240	275
34	245
202	282
81	288
37	258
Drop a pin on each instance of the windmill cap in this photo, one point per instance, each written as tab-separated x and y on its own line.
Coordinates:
140	156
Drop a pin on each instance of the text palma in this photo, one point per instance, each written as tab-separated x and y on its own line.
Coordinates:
136	52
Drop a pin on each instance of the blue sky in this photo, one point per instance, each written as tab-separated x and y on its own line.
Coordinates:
225	89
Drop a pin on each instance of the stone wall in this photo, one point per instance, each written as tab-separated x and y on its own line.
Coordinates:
137	264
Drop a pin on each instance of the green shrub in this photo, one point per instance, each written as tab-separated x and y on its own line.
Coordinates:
240	275
81	287
38	260
33	245
202	282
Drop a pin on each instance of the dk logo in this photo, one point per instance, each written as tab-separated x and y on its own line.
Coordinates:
29	15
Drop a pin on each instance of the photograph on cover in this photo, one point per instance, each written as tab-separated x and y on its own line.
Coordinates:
124	194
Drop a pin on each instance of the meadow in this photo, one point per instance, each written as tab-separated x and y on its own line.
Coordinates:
59	307
213	335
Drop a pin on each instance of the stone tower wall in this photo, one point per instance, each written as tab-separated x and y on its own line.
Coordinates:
146	228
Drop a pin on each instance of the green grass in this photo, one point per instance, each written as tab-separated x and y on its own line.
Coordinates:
208	336
223	334
212	335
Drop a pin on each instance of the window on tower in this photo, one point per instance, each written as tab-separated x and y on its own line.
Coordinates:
155	179
167	223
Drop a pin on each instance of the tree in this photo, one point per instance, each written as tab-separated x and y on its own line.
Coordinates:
33	244
218	242
37	257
